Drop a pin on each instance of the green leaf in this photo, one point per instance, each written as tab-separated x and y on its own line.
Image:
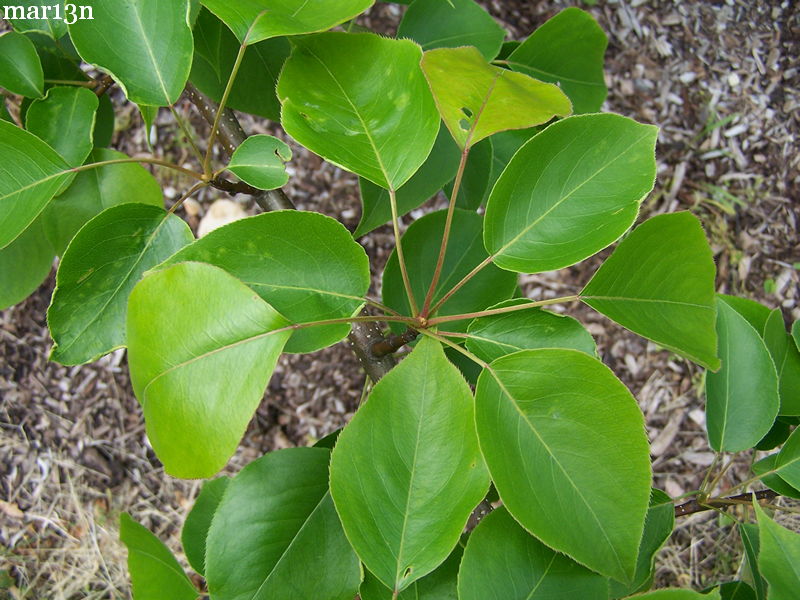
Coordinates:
786	357
97	273
95	190
748	532
361	102
153	64
796	333
779	557
198	522
40	19
767	468
564	442
4	114
421	244
477	99
259	161
306	265
775	436
64	119
439	168
659	283
155	573
450	24
104	123
31	173
439	584
20	67
24	264
256	20
736	590
677	594
569	192
201	349
276	535
497	335
504	562
742	397
787	464
568	50
755	312
403	510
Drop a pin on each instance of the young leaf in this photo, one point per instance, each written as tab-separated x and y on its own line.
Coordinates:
65	120
259	161
439	584
450	24
742	397
54	28
754	312
276	535
153	64
201	349
502	561
197	523
567	50
98	272
306	265
787	465
786	357
677	594
264	19
24	265
569	192
779	557
403	510
497	335
361	102
564	442
155	573
477	99
20	67
659	283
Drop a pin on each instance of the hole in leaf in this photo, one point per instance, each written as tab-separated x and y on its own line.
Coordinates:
408	572
467	112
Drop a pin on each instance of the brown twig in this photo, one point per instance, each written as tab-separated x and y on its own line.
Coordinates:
695	506
102	84
393	343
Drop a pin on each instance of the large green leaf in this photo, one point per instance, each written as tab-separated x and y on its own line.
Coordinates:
31	173
421	244
65	120
153	63
742	397
659	283
361	102
736	590
497	335
259	161
97	273
504	562
36	17
404	508
198	521
778	558
450	24
677	594
439	584
564	442
155	573
755	312
20	67
256	20
477	99
786	357
276	535
568	50
306	265
24	265
569	192
201	349
787	465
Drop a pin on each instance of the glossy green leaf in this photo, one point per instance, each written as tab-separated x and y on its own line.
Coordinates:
779	557
568	50
197	523
787	464
4	114
504	562
155	573
569	192
497	335
659	283
421	244
97	273
39	17
31	173
404	509
361	102
153	64
439	168
677	594
450	24
768	470
736	590
259	161
477	99
306	265
256	20
439	584
564	442
104	123
201	349
755	312
65	120
276	535
742	397
786	357
775	436
20	67
24	265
